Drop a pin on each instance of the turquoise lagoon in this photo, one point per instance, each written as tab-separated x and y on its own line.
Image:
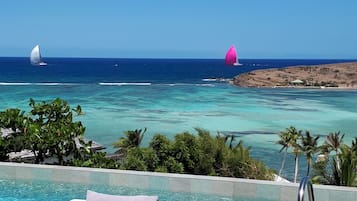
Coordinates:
217	107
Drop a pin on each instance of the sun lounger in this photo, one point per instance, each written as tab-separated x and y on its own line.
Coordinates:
94	196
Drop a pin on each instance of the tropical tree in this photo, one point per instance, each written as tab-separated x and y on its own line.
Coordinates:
209	154
332	143
231	139
309	148
133	160
185	150
143	159
95	160
284	141
339	170
162	147
348	170
48	131
51	131
171	165
354	145
3	149
238	163
289	138
132	138
324	172
220	154
12	121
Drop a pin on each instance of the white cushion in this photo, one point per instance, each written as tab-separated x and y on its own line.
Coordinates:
94	196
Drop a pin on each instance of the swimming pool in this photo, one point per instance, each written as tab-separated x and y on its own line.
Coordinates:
33	190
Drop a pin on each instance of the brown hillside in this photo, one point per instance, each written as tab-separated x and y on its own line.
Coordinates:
343	75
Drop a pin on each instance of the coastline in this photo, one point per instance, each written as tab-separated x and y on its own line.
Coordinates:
339	76
301	87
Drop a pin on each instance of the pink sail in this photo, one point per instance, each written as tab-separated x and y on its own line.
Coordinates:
231	57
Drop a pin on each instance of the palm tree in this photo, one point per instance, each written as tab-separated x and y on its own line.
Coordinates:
309	147
333	142
348	161
296	134
232	138
289	138
354	145
131	139
284	141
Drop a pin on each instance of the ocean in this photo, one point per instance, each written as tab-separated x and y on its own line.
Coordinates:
171	96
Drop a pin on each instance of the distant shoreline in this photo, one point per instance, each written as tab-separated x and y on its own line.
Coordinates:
325	76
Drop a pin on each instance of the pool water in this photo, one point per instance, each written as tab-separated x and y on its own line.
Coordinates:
32	190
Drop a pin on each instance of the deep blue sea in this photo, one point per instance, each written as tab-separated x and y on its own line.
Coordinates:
170	96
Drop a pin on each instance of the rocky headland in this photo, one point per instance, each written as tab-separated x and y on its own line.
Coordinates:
340	75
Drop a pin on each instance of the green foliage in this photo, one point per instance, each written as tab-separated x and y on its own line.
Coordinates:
173	166
333	142
196	154
47	131
95	160
220	153
348	159
51	130
239	164
162	147
231	139
289	139
354	145
130	140
309	147
4	150
13	119
339	169
150	158
208	149
185	151
235	163
321	173
135	160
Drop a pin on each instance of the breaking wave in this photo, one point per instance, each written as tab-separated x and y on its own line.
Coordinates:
125	83
37	83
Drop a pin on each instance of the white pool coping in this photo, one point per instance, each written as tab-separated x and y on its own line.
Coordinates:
222	186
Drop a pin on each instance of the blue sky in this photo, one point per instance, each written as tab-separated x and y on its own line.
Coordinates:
180	28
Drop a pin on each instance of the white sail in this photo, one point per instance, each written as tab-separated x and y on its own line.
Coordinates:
35	56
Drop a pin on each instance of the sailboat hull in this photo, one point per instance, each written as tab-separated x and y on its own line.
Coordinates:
237	64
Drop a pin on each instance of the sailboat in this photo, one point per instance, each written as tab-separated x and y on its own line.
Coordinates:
231	57
36	58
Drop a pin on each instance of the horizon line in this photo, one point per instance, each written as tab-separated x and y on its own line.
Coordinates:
185	58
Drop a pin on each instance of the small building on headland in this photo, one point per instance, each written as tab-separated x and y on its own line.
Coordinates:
297	82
